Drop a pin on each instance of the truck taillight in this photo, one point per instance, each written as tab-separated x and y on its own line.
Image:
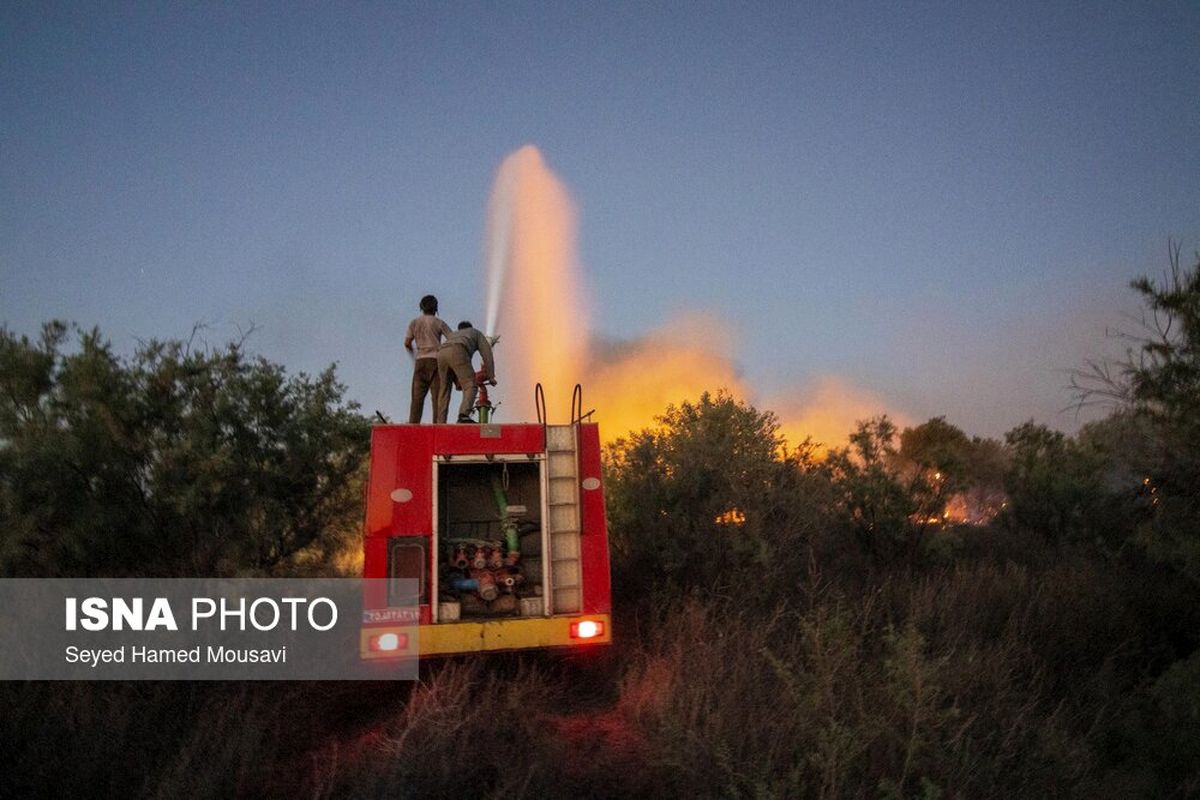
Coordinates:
587	629
386	642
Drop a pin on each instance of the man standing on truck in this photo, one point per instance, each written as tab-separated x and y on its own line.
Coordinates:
427	332
454	356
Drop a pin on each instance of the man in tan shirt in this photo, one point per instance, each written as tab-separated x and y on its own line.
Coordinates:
426	331
454	356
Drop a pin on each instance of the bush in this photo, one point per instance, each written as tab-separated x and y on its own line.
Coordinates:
180	461
710	500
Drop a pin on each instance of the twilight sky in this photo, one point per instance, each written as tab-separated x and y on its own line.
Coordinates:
939	205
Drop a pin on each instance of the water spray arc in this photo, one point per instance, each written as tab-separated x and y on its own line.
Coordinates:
497	251
533	284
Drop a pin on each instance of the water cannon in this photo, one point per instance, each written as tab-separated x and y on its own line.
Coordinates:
483	403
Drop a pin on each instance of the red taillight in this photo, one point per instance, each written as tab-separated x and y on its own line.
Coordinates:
386	642
587	629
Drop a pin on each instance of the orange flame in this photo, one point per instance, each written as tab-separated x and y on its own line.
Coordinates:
638	380
828	410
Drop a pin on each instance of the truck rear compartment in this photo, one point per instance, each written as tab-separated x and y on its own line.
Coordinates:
490	540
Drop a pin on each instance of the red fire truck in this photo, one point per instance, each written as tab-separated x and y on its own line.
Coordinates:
502	527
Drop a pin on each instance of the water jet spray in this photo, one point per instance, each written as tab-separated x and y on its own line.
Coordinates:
532	279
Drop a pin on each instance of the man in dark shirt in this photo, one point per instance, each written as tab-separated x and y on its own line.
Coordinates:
454	356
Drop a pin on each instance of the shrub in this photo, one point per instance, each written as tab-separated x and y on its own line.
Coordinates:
179	461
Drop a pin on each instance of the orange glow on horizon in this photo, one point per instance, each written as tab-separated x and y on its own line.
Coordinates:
828	411
666	367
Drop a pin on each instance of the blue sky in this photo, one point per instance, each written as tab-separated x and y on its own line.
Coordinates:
941	203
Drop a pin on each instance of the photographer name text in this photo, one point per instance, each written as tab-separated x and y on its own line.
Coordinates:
134	654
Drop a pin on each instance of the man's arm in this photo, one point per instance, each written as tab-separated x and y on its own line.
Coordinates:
408	338
485	350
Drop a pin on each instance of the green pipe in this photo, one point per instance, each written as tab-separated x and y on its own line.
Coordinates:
512	540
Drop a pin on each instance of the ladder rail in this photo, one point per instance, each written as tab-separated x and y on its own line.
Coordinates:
564	520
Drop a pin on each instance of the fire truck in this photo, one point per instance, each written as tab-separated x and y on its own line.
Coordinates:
501	529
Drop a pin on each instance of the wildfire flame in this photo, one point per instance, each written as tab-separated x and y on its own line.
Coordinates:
632	384
827	411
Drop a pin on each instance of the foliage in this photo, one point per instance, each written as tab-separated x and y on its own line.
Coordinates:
982	679
966	474
1166	379
893	495
1158	386
873	492
1165	388
1167	728
1053	483
938	447
178	461
706	496
964	462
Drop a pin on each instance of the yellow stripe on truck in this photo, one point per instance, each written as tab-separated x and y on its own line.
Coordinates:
499	634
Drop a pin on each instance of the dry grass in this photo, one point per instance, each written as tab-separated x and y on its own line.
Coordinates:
979	679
